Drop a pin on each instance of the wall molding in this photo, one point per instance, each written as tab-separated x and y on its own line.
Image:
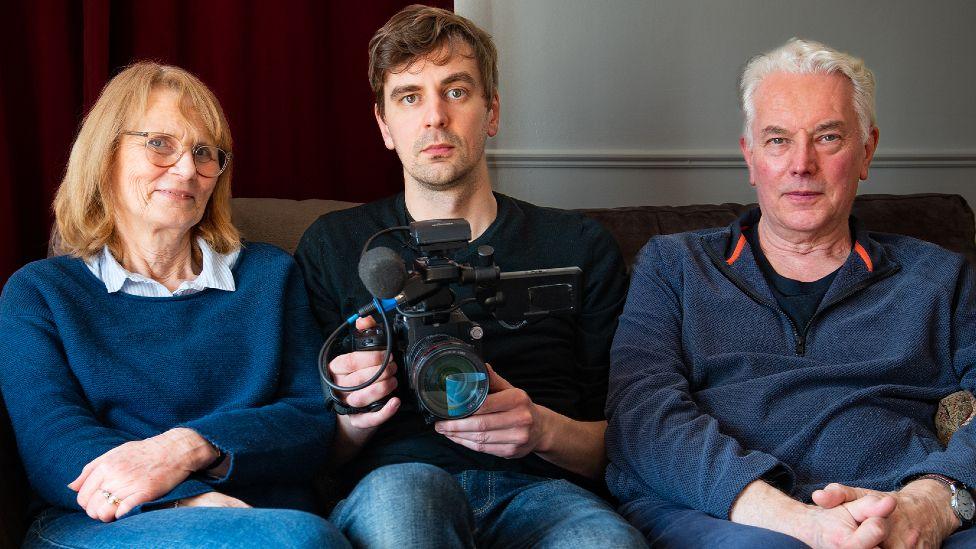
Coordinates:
624	159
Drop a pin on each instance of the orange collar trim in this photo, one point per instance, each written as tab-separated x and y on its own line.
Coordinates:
738	249
864	256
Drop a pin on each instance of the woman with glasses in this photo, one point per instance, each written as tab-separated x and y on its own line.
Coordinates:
160	376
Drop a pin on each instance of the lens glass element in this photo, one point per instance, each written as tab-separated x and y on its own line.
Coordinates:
452	381
463	391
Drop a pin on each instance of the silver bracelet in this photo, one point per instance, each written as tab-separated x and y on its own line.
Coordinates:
177	504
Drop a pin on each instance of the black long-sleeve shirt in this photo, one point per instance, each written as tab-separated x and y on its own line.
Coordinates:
562	363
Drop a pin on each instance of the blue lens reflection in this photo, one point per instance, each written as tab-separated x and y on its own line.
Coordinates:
463	391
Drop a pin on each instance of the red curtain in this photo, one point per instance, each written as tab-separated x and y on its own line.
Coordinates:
290	74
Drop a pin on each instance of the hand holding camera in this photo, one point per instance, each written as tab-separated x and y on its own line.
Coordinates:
358	366
507	425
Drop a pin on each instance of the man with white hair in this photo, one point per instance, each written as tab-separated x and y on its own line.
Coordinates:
774	382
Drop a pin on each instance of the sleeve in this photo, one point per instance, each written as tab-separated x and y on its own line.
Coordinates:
310	256
605	290
658	441
956	461
57	433
287	439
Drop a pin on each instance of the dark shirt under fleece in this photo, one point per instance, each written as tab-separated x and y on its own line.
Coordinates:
562	363
799	300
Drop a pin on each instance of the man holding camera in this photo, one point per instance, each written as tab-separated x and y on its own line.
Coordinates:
497	477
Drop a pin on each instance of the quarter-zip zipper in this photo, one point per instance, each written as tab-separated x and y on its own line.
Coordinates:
799	339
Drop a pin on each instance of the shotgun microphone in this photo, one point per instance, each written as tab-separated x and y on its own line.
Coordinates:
382	272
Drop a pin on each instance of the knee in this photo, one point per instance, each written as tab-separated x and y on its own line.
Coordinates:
407	505
580	519
192	527
760	537
668	525
615	535
599	527
404	485
308	530
289	528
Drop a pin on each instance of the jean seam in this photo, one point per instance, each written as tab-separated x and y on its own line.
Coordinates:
337	512
56	544
38	527
489	500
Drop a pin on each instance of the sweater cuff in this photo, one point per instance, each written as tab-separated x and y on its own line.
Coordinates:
229	445
186	489
733	480
961	472
263	446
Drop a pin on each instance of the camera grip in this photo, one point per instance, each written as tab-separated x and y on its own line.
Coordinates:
371	339
344	409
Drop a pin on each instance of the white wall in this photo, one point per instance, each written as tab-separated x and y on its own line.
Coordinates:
627	102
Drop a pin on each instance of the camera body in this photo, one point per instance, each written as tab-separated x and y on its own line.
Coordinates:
442	361
437	345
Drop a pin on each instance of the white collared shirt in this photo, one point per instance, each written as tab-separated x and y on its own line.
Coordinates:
216	273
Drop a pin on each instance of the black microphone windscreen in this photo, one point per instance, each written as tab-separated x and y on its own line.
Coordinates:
382	272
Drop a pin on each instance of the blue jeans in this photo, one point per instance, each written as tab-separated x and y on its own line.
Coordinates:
668	525
419	505
186	527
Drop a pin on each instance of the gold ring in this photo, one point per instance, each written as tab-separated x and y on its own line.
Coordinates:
111	497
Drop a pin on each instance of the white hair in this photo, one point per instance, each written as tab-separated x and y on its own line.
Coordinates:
808	57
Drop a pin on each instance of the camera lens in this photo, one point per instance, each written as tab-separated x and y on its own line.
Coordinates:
450	379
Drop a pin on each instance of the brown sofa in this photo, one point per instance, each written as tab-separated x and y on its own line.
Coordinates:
944	219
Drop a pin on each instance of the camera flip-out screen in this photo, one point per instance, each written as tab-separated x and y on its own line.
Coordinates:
541	292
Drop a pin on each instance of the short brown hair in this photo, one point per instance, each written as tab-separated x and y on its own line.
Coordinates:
84	205
416	32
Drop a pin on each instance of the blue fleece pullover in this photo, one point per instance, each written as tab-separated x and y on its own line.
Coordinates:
713	387
83	371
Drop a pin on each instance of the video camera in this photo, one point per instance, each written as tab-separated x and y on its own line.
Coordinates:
438	346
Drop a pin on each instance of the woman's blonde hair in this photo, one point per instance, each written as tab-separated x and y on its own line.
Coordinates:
85	202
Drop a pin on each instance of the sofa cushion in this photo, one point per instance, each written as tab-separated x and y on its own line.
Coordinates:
279	221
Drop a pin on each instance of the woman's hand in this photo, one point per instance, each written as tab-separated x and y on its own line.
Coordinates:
136	472
212	499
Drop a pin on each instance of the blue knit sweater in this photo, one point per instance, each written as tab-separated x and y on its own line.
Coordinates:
712	386
83	371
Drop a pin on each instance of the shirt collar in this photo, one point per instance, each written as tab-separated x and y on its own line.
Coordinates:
215	273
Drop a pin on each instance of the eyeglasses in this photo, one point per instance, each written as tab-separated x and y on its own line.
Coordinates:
164	150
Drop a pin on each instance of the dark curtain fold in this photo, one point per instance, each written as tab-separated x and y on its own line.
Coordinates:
290	74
